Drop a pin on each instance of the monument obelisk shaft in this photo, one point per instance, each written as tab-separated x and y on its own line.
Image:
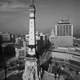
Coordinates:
32	28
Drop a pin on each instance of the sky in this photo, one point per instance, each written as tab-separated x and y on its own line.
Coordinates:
14	14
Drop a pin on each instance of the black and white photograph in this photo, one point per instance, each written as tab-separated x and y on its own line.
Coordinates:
39	39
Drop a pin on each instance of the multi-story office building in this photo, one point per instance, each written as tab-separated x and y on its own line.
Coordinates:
63	33
64	28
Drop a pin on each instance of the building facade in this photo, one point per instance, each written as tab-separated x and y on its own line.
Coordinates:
63	33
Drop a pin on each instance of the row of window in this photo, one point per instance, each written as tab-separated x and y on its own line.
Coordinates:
64	30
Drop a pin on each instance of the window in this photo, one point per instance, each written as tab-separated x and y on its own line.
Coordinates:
69	30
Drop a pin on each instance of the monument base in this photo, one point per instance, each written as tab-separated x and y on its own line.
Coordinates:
31	69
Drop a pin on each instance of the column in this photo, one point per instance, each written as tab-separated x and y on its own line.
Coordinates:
71	30
56	30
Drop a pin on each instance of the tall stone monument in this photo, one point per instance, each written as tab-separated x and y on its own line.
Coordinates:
31	67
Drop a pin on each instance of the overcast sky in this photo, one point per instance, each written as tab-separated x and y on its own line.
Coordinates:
13	17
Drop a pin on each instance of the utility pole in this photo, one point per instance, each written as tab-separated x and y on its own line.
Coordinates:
31	66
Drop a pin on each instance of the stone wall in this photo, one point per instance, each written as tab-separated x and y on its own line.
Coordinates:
63	41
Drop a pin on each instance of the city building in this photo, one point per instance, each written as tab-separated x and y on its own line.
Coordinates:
63	33
7	37
20	48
